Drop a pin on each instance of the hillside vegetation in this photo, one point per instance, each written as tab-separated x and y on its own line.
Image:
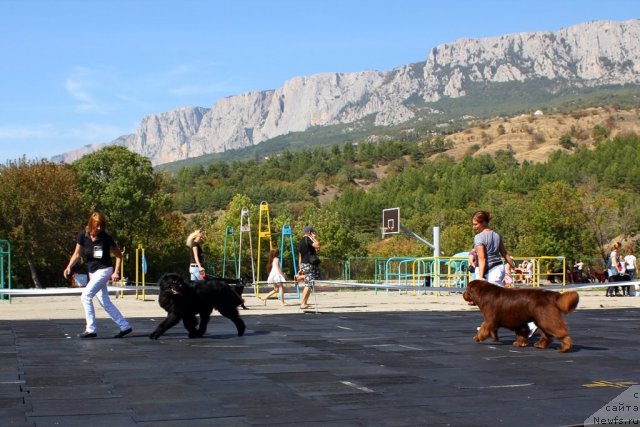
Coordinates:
558	185
528	138
534	137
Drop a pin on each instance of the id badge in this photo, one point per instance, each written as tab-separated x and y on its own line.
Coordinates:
97	251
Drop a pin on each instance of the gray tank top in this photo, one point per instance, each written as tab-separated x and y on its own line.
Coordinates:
491	241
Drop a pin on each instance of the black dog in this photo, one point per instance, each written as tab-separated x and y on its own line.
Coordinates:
237	285
183	300
626	289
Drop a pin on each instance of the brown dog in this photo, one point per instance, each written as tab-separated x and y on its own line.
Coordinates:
514	308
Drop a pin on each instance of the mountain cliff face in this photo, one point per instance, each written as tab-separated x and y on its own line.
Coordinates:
586	55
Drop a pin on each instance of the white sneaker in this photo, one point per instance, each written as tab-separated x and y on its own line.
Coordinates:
532	329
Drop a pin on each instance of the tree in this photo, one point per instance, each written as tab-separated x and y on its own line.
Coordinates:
125	188
600	133
558	222
41	211
566	142
602	220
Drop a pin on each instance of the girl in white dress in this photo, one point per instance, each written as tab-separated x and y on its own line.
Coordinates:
276	276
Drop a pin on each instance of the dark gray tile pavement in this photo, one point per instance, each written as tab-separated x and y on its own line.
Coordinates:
328	369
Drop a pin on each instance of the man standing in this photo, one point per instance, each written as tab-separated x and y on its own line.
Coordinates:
309	263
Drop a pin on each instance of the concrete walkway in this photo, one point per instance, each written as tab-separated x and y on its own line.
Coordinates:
69	307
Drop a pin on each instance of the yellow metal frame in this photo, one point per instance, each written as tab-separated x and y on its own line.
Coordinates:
537	271
263	233
140	272
121	282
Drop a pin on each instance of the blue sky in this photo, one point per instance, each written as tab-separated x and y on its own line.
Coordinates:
77	72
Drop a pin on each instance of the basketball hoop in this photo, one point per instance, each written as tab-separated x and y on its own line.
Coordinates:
390	221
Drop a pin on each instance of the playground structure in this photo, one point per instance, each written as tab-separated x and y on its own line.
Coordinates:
5	268
245	229
141	272
233	257
265	234
427	273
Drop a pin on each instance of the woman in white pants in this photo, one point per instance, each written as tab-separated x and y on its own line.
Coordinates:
96	246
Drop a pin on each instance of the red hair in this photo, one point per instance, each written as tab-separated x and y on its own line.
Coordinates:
96	219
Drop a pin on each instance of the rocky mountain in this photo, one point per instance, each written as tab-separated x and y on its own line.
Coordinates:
593	54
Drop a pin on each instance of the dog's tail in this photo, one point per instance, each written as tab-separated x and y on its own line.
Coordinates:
567	301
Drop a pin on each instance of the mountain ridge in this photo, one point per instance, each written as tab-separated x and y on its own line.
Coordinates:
585	55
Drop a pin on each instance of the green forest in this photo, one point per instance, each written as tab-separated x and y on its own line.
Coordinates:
573	205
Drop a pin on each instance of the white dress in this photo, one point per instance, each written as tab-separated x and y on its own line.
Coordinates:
274	275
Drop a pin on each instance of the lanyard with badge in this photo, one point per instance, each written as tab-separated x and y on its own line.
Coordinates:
97	251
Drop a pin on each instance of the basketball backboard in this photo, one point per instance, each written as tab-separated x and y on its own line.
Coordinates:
391	221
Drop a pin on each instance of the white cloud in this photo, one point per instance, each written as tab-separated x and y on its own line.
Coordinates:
14	133
197	78
93	133
107	91
85	85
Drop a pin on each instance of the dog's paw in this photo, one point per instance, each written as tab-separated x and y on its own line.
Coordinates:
241	330
476	338
542	344
521	342
154	336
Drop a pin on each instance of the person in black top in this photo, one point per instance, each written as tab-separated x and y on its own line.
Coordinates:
309	263
196	266
96	245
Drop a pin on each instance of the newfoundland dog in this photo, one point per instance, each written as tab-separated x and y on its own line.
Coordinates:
236	284
184	300
514	308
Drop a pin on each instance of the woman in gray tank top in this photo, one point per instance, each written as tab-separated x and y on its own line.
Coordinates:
490	249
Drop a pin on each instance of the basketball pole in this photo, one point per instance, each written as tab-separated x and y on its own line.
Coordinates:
436	239
391	225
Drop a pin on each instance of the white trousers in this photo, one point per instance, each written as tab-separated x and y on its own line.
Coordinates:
97	287
496	275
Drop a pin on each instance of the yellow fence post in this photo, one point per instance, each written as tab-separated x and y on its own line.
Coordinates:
122	281
141	271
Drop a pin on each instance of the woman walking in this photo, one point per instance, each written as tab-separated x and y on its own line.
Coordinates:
196	257
97	246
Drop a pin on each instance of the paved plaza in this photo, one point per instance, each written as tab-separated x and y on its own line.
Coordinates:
360	359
